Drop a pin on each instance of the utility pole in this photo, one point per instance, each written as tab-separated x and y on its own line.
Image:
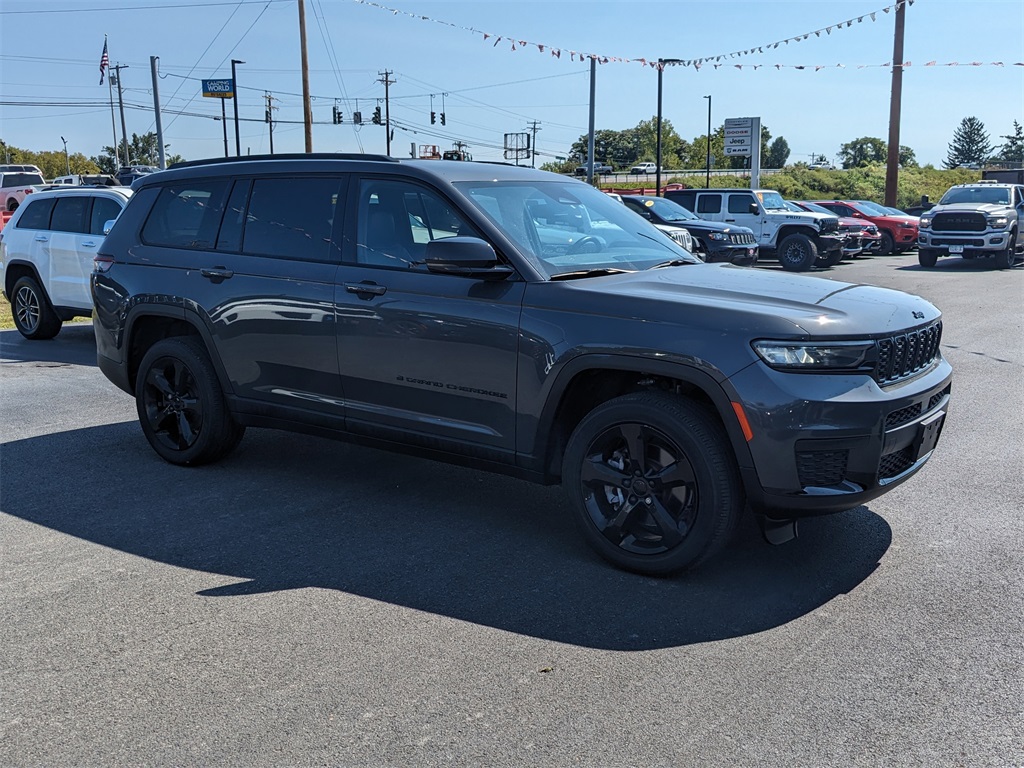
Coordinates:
270	117
307	109
120	103
234	84
224	123
533	150
893	159
385	77
113	121
156	108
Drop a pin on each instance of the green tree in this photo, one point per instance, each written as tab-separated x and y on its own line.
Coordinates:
777	155
142	150
907	157
51	162
1013	150
863	152
970	145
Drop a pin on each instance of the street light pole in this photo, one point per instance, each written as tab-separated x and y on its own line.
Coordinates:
707	180
67	160
234	84
662	63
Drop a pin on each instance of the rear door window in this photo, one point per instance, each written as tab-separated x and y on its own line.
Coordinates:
709	204
186	214
71	214
36	214
292	218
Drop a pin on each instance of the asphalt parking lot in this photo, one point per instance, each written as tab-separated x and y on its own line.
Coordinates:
306	602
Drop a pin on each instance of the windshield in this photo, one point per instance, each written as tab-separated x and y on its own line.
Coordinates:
816	208
666	210
874	209
772	201
997	195
568	226
791	206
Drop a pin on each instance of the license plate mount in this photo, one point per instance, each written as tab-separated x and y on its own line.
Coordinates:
956	249
928	432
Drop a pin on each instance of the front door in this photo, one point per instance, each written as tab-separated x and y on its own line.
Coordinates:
423	356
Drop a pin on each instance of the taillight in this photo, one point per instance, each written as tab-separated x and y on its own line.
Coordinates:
102	263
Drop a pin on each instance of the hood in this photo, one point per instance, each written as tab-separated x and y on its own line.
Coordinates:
894	219
989	209
702	225
734	300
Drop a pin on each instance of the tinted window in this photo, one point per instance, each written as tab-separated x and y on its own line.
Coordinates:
709	204
686	199
71	214
397	219
103	210
21	179
230	237
186	214
291	217
740	203
36	215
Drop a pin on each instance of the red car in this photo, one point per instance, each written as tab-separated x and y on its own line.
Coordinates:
862	237
899	233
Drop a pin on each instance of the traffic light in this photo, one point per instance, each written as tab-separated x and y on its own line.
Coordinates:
337	116
376	116
357	118
442	118
433	117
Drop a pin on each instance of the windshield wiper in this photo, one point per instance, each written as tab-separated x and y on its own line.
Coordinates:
589	273
673	263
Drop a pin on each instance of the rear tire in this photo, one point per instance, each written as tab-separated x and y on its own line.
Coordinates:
797	253
33	314
180	404
652	483
927	259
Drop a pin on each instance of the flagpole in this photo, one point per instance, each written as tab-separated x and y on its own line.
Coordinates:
113	122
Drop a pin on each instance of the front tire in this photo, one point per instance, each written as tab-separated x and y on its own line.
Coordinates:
180	404
798	253
927	259
888	244
831	259
652	483
1006	259
33	314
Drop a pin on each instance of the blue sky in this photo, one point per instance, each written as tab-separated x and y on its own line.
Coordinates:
50	51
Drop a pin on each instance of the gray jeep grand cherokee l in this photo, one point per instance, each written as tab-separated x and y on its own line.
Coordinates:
516	321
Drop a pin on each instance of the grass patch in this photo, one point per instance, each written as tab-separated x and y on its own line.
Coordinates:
6	316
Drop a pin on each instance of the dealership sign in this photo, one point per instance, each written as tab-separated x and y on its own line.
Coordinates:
219	89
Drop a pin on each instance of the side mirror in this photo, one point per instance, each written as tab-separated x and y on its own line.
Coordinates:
754	209
465	257
108	225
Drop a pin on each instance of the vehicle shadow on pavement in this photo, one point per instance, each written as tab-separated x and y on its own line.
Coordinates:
955	266
288	511
74	345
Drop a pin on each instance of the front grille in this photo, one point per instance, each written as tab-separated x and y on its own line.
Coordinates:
741	238
905	354
821	468
903	415
680	238
829	225
894	463
976	242
959	222
937	397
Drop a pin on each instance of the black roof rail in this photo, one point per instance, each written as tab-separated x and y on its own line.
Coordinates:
286	156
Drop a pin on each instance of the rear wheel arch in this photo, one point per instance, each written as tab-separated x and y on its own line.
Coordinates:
145	328
590	380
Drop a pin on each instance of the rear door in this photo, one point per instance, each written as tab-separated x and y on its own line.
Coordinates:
70	259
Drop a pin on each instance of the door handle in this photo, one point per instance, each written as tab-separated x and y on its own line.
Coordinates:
733	220
89	244
42	238
216	274
368	288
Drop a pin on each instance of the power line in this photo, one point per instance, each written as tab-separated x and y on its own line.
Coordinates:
134	8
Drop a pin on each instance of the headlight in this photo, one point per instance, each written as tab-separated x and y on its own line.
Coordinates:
998	222
906	225
718	236
801	355
926	222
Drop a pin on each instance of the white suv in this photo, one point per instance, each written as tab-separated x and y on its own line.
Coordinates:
46	253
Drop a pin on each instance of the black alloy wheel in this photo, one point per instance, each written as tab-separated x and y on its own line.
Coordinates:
33	316
1006	259
888	244
652	482
181	406
797	253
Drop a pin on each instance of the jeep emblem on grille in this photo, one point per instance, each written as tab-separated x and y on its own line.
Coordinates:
918	315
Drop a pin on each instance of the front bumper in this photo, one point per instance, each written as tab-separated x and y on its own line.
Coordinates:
826	443
730	253
957	243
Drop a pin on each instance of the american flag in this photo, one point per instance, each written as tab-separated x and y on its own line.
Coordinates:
104	61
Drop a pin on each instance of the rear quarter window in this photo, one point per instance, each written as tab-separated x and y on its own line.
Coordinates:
186	214
36	214
709	204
